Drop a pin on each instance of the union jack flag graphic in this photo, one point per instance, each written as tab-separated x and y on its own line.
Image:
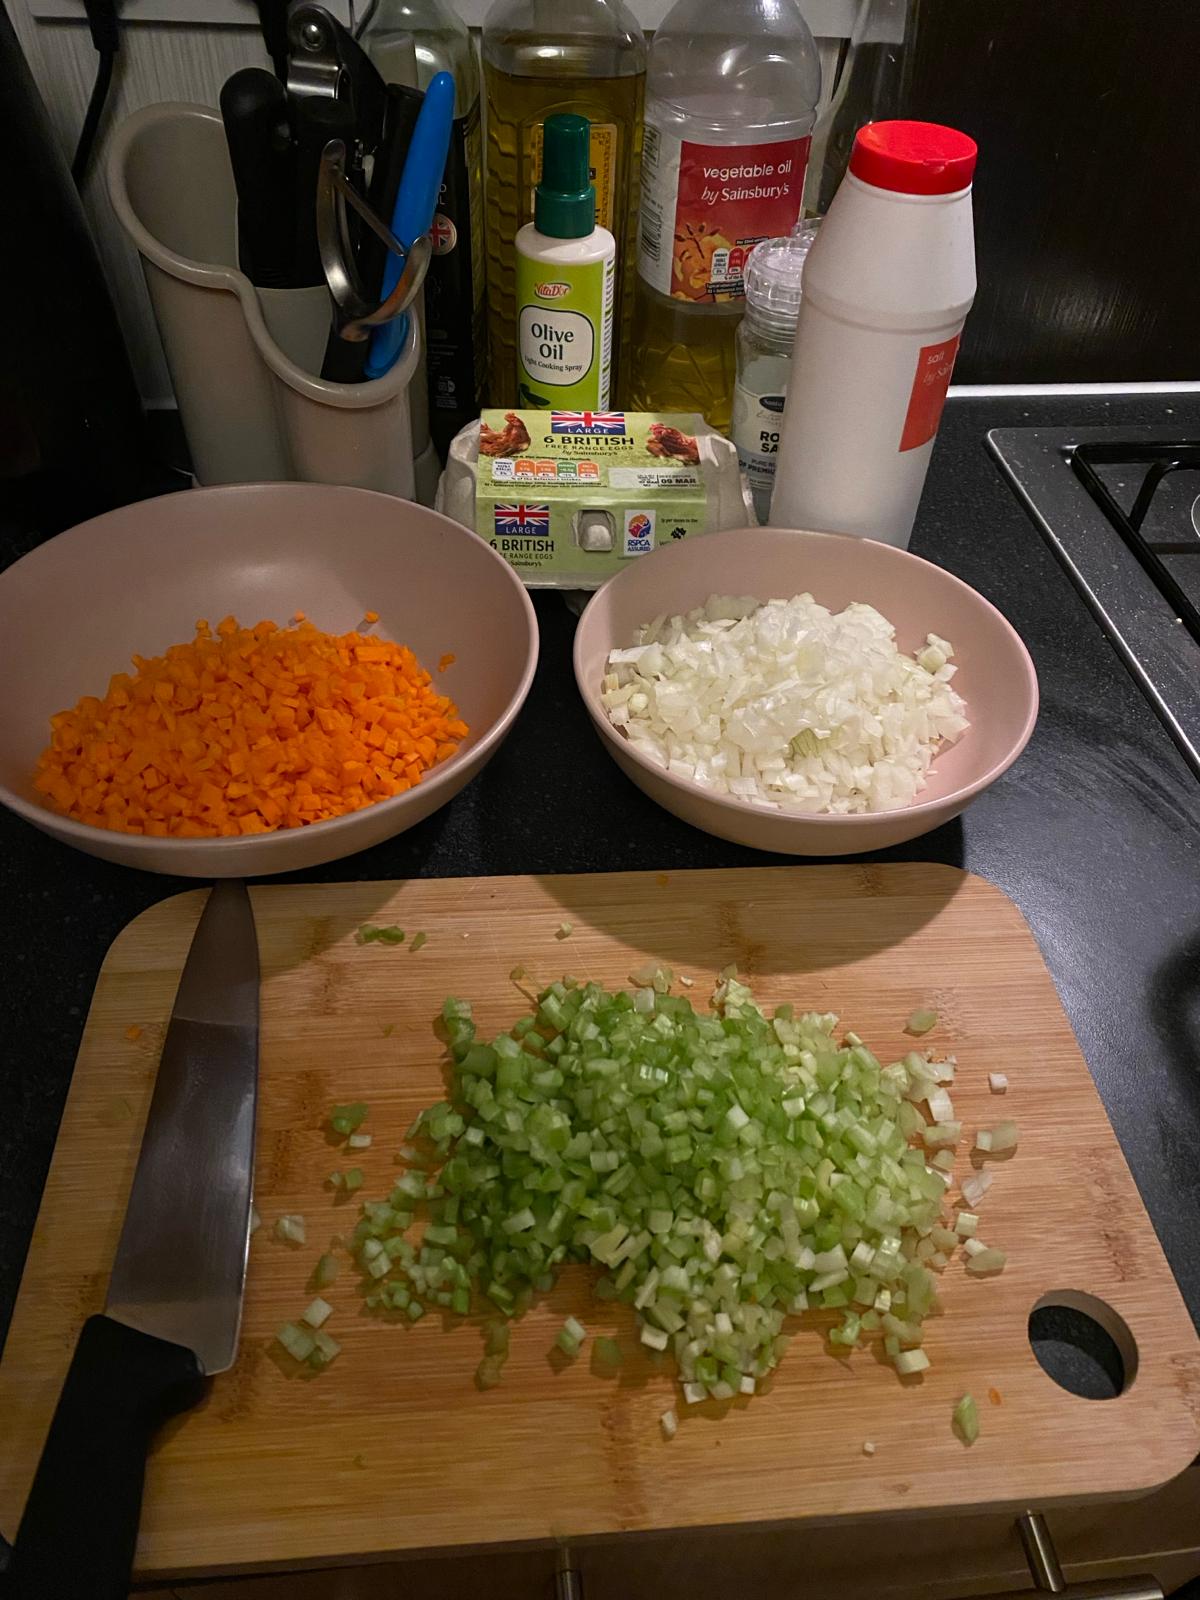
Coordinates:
522	519
587	422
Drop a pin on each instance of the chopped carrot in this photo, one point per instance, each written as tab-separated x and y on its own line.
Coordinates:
447	660
370	616
133	1032
245	730
995	1397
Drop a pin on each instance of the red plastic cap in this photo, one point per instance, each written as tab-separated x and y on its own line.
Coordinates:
913	157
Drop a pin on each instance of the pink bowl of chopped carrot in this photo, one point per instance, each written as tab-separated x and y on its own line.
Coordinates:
256	678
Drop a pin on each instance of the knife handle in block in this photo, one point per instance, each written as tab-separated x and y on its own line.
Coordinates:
78	1532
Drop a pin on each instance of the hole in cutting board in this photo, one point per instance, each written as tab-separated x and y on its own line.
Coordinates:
1082	1344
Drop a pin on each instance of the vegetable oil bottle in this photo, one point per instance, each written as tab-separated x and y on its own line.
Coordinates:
410	41
541	57
731	97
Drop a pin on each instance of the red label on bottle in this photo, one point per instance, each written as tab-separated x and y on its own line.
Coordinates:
935	363
704	207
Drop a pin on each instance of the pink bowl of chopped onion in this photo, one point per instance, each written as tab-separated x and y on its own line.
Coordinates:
806	693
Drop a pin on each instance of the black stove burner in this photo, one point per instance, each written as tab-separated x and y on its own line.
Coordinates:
1178	542
1119	510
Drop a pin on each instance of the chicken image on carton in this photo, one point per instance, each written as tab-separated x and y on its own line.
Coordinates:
567	497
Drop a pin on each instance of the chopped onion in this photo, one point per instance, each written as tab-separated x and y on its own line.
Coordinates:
669	1423
564	930
255	1219
291	1230
786	705
868	1448
359	1141
998	1082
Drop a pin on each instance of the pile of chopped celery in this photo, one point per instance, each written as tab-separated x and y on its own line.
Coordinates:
723	1169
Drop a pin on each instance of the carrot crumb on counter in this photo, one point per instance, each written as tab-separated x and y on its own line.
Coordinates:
370	616
246	731
133	1032
447	660
995	1397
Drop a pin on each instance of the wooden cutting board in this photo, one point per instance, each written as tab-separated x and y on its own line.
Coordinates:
394	1448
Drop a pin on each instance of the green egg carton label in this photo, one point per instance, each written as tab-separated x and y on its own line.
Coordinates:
567	497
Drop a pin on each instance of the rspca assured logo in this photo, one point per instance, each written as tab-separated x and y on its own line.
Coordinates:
639	533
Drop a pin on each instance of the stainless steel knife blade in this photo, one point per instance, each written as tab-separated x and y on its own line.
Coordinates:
181	1261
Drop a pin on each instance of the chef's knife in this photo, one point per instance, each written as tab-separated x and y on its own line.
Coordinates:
175	1296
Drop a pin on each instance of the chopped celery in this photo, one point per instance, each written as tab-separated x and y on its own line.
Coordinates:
347	1119
966	1420
418	939
607	1353
920	1022
571	1336
318	1313
324	1350
721	1169
298	1342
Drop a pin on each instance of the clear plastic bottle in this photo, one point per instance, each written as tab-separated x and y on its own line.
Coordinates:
541	57
731	96
764	342
410	41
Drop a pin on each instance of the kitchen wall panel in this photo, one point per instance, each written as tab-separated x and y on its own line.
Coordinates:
166	61
1087	222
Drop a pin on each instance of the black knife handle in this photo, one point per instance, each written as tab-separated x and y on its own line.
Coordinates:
79	1529
254	109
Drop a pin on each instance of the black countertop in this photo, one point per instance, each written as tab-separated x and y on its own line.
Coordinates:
1093	833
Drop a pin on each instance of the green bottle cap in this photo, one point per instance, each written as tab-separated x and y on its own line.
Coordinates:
564	203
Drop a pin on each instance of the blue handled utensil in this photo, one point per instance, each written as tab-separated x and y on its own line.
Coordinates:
416	202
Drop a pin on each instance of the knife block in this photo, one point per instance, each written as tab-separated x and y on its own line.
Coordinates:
243	359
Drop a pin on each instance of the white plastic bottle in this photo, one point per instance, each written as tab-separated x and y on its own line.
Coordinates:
566	269
731	94
887	287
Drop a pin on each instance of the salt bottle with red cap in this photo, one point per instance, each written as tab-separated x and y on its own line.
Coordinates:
887	288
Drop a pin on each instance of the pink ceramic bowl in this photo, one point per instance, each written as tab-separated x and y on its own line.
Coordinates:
995	676
74	611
